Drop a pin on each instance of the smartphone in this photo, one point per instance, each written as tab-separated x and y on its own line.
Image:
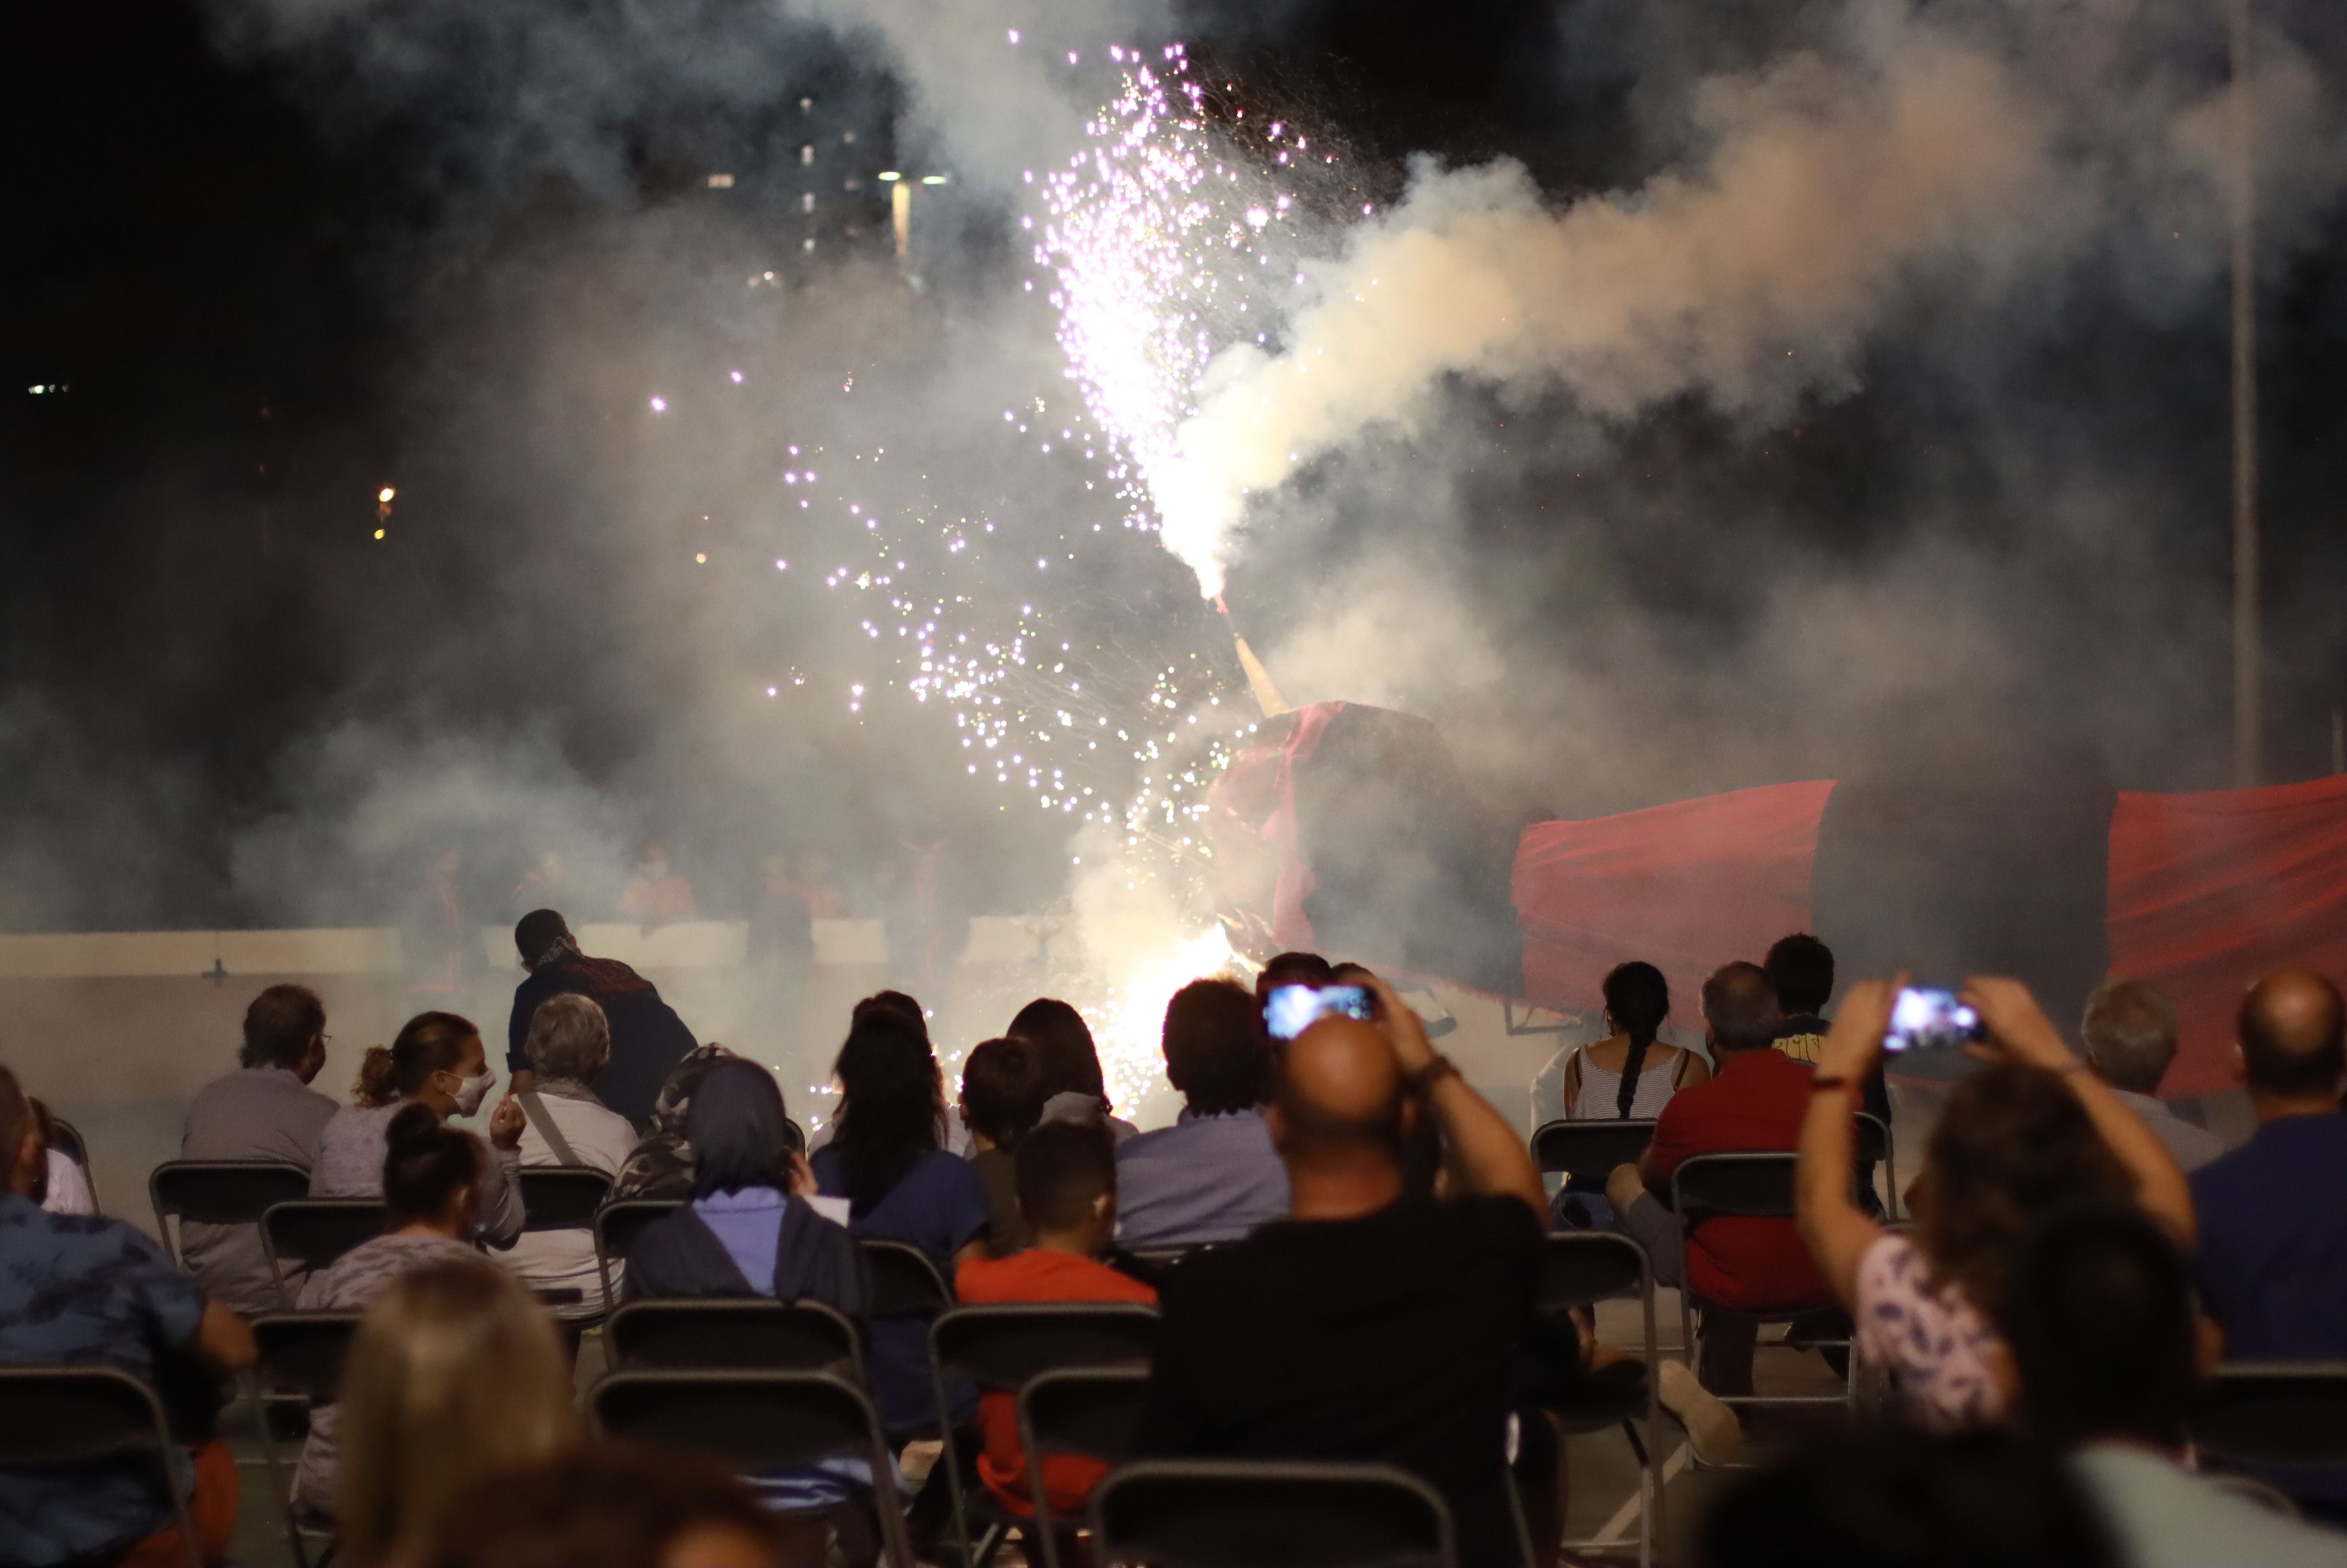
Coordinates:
1289	1011
1925	1018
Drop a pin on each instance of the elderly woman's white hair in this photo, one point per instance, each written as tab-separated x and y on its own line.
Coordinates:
569	1038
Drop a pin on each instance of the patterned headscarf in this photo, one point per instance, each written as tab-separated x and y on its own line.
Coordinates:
661	1166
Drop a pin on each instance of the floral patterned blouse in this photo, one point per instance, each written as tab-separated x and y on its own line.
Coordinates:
1934	1343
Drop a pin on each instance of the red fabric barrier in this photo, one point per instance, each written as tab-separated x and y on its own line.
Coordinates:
1260	880
1687	887
2207	891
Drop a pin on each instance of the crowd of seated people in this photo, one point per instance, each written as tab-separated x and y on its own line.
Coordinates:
1364	1256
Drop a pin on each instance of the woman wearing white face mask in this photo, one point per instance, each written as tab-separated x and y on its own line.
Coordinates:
435	1061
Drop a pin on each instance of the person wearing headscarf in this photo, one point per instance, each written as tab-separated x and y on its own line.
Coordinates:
748	1229
660	1165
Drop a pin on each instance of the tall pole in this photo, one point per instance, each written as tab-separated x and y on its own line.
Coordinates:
2248	702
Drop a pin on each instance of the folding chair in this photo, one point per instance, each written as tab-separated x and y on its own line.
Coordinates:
562	1197
1243	1513
618	1223
301	1357
1748	1186
1094	1411
82	1415
757	1422
1000	1347
905	1283
2274	1416
793	1136
717	1333
1591	1149
67	1138
309	1234
1874	1143
219	1192
1581	1268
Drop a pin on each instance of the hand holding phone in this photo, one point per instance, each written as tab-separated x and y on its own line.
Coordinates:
1289	1011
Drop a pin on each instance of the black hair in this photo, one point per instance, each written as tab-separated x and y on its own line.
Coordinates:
1064	1042
1001	1090
427	1043
904	1007
738	1130
1887	1498
2099	1318
1060	1168
426	1162
16	1121
279	1025
1214	1052
536	931
1801	968
1293	969
1638	999
891	1112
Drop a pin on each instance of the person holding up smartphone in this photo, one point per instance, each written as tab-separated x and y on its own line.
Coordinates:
2029	1132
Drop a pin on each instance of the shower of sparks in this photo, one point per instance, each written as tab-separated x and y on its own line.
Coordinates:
1162	235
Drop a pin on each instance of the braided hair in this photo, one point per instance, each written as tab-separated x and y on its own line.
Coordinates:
1638	1000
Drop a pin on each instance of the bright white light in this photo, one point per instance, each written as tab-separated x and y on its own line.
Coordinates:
659	406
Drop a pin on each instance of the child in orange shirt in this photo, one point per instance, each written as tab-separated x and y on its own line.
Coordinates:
1067	1190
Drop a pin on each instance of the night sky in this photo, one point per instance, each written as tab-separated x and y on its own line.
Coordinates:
230	284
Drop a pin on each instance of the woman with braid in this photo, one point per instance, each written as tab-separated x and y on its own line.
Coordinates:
1628	1075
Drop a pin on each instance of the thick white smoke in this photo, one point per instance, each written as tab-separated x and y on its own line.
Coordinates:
1832	188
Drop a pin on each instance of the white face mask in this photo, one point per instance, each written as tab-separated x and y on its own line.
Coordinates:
471	1091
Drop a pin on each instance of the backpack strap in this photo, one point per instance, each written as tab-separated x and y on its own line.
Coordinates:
535	1109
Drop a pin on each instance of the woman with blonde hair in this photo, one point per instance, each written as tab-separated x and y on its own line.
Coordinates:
455	1372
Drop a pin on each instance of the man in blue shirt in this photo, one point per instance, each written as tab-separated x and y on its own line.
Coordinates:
2272	1268
81	1290
1213	1175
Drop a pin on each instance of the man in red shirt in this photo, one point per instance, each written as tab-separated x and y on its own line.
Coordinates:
1754	1100
1066	1174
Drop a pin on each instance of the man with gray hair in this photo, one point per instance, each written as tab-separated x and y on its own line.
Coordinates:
2129	1037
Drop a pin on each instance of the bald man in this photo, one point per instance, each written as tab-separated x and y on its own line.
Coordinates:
2273	1213
1374	1323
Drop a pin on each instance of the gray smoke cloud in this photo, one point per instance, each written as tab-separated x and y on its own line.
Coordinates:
1905	164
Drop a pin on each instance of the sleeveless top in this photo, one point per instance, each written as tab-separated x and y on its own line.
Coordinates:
1599	1098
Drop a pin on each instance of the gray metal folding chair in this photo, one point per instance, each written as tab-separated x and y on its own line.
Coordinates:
219	1192
55	1416
618	1223
757	1422
301	1357
715	1333
1581	1268
999	1349
2274	1416
1263	1514
309	1234
1092	1411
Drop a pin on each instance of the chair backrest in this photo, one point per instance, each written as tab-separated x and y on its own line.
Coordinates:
74	1415
303	1352
220	1193
312	1233
1579	1268
562	1197
1591	1149
2274	1414
793	1136
1873	1136
620	1220
719	1333
1001	1346
905	1283
1242	1514
1092	1410
1751	1186
66	1140
755	1422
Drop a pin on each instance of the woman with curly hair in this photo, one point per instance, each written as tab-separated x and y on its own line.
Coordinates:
2027	1133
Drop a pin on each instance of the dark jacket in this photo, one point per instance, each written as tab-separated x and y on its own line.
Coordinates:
647	1036
814	1260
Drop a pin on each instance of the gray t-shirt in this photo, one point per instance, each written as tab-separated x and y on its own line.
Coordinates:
252	1113
2164	1516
